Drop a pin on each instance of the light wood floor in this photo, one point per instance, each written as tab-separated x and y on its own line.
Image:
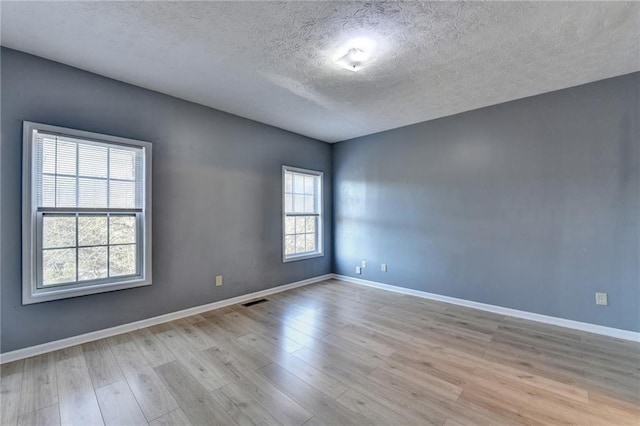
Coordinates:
332	354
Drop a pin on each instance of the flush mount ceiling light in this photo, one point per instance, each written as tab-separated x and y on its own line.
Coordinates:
356	55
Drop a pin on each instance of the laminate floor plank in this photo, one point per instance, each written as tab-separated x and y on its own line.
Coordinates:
174	418
551	367
332	362
234	348
328	354
440	370
46	416
152	349
190	356
243	409
324	383
77	399
11	375
192	335
277	403
337	344
275	332
118	405
368	339
196	402
568	391
126	353
103	367
389	330
320	405
152	395
39	384
277	329
375	412
543	404
314	421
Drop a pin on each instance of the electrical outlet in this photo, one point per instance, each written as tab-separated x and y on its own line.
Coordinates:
218	280
358	270
383	267
364	263
601	299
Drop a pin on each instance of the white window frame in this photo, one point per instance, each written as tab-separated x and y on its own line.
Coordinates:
32	244
319	229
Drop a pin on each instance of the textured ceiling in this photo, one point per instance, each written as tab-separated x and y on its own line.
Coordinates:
272	61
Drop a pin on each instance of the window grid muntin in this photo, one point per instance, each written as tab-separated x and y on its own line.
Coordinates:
304	233
81	283
290	189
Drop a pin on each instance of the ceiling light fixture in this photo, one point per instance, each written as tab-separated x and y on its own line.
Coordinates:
356	54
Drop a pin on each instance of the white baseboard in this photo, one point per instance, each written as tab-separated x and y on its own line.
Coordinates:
576	325
125	328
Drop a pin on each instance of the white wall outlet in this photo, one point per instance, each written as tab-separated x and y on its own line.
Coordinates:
358	270
218	280
383	267
601	299
364	263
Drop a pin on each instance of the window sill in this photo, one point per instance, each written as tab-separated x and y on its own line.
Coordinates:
57	293
301	257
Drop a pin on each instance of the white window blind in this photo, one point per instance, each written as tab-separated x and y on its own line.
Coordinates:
87	174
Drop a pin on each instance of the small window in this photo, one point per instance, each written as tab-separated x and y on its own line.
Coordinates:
302	213
86	213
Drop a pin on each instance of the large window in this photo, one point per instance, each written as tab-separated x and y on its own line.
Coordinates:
86	213
302	213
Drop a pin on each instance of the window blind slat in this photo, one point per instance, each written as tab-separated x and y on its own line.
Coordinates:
87	174
300	193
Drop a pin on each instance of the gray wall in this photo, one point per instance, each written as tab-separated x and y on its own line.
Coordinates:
532	204
216	198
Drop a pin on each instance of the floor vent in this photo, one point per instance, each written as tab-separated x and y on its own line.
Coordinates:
254	302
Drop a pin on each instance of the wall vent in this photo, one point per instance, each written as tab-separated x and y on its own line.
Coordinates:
254	302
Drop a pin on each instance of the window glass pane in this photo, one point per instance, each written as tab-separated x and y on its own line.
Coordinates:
48	155
309	184
66	157
92	160
300	243
289	244
58	231
65	191
288	182
92	263
47	193
290	225
122	164
122	229
298	184
298	203
311	224
309	204
58	266
122	260
300	225
288	203
92	193
311	242
92	230
122	194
